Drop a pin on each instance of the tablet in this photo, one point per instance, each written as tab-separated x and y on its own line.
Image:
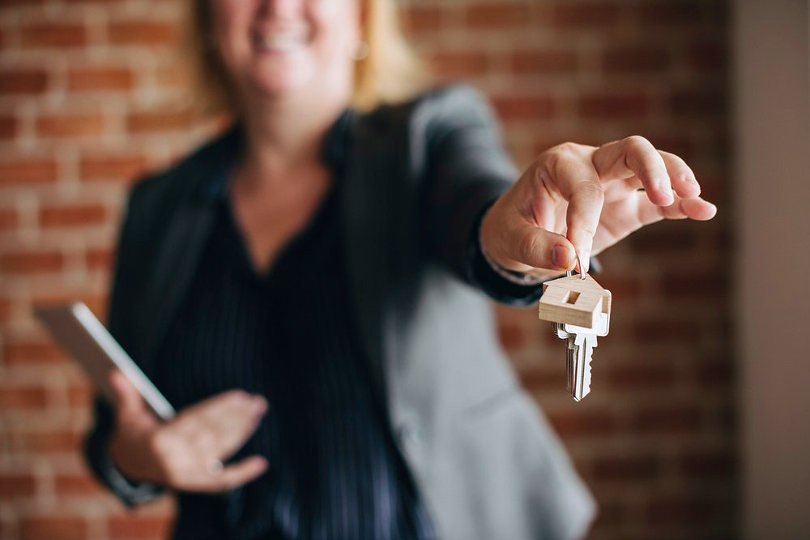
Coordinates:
83	336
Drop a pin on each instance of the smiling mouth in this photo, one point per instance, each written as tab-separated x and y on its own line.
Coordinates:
286	41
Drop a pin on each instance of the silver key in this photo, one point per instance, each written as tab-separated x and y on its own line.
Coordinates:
578	364
579	353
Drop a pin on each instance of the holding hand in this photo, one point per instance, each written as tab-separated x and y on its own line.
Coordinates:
187	452
578	199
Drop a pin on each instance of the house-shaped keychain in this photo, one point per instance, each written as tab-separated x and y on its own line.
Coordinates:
576	301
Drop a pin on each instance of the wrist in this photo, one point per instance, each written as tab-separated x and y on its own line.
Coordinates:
136	457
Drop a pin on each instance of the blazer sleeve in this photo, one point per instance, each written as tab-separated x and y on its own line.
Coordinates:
467	169
123	298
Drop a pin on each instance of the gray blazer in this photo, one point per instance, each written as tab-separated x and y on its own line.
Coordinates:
417	177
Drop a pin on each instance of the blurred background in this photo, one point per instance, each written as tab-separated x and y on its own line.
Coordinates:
93	93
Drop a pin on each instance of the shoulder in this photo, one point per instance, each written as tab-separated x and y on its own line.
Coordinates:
158	193
443	106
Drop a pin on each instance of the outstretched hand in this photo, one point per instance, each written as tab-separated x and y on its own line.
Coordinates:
578	200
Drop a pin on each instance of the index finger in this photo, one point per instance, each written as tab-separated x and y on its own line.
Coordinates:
635	156
573	173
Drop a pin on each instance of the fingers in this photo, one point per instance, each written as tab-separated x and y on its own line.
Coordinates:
540	248
578	182
694	208
220	425
235	475
681	176
636	156
127	398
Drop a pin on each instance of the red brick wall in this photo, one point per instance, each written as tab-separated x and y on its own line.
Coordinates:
92	93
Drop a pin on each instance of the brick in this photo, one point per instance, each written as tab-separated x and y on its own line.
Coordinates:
696	285
613	106
709	57
667	419
641	377
538	378
9	219
500	15
636	59
31	262
658	331
698	103
54	34
152	121
27	171
53	528
99	259
23	81
520	108
670	12
460	63
48	441
13	485
542	62
663	238
72	215
680	509
423	19
26	352
143	32
138	526
120	167
715	374
80	395
626	469
5	311
582	423
588	15
8	127
100	78
75	484
71	125
24	397
511	336
708	464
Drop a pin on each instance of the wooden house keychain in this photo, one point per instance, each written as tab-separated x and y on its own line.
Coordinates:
579	309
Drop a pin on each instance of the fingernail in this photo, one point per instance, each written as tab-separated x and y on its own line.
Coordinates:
560	256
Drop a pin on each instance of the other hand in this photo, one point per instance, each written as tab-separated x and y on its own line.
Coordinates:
187	452
577	199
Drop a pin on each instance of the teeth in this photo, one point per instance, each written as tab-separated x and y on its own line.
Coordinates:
280	42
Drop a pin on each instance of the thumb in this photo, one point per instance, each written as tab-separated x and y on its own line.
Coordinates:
540	248
127	398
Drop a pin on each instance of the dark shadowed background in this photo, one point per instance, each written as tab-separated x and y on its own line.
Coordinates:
93	93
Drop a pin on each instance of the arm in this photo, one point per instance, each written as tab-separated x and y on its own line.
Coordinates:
122	299
467	170
573	200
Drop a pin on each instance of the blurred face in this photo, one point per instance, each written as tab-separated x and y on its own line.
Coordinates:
275	48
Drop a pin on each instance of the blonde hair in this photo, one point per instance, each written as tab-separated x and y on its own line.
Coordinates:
390	72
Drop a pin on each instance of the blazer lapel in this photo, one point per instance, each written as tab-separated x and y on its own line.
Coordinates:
363	208
174	268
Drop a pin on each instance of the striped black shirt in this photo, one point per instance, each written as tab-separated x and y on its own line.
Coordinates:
334	471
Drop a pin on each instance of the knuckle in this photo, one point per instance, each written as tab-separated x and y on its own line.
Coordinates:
637	142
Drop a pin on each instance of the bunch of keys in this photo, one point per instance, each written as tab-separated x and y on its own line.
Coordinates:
579	310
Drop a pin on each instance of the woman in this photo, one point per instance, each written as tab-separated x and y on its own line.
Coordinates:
325	258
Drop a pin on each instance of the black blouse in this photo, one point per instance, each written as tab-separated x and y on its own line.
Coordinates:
334	471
